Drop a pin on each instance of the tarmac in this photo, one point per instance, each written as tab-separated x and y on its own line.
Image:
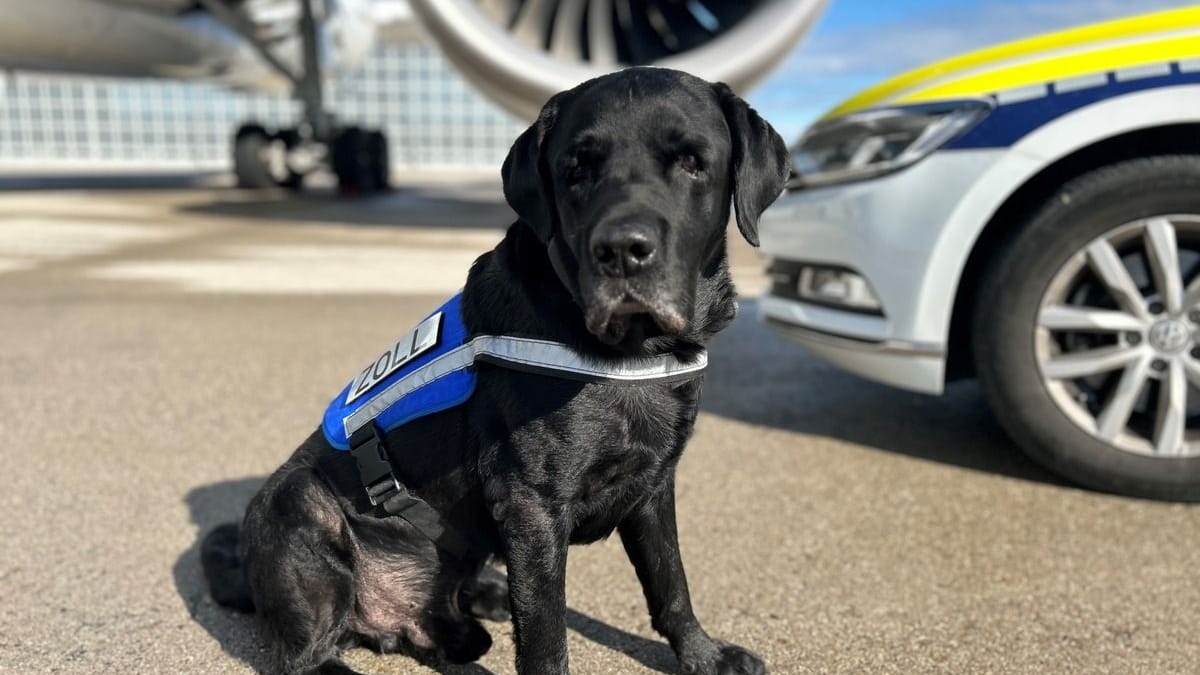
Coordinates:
163	348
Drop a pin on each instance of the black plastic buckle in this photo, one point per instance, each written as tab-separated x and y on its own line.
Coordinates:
369	449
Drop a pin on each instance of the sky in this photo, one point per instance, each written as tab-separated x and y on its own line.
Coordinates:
857	43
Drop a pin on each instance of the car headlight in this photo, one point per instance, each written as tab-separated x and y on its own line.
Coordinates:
874	142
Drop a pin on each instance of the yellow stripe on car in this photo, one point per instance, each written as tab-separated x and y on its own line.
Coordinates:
1113	45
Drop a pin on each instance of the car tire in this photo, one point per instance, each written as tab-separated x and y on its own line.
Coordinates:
1009	319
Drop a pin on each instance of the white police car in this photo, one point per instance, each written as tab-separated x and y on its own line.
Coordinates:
1028	214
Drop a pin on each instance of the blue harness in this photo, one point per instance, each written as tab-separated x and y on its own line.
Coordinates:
412	378
432	368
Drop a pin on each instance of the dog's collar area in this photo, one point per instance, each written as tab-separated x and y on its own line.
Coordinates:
555	358
530	355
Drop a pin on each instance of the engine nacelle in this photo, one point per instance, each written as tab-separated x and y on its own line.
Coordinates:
520	52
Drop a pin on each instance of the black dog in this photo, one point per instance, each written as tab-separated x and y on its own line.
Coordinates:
623	189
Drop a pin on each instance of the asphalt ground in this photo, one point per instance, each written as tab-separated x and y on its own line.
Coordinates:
162	350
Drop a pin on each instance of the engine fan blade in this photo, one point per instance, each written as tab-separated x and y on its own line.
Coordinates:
520	52
566	42
534	22
602	42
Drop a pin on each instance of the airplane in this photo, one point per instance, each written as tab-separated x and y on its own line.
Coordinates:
516	52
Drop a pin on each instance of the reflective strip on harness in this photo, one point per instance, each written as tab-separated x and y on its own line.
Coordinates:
443	378
561	360
521	353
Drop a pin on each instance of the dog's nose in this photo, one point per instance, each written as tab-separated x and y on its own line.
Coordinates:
624	249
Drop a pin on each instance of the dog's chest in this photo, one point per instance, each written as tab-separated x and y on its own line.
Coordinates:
645	431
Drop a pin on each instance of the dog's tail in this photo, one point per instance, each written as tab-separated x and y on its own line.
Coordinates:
223	568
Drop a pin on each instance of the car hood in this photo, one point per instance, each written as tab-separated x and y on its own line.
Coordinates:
1145	41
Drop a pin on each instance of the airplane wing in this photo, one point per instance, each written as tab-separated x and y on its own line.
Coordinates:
184	39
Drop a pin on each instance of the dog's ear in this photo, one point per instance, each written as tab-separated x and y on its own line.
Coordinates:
527	188
760	164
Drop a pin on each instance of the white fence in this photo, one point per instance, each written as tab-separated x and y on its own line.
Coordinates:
432	117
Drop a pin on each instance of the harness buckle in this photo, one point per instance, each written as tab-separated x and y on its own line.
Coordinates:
385	492
374	468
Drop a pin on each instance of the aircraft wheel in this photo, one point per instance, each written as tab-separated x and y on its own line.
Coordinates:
251	147
260	158
360	160
293	180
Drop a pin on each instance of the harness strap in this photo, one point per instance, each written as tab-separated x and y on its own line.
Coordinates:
373	477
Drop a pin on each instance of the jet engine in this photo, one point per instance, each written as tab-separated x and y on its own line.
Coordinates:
520	52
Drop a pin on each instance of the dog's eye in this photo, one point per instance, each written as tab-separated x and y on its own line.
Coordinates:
576	172
690	164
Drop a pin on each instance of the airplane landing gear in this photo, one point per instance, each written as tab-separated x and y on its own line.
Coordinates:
264	159
360	160
358	157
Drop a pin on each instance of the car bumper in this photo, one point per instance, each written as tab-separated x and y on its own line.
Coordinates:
887	230
909	365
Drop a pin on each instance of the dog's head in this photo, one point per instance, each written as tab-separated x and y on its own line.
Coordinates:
628	180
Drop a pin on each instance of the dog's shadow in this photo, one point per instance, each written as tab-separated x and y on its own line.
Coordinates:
224	502
212	505
652	654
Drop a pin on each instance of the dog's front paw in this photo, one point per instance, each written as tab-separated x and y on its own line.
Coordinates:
727	660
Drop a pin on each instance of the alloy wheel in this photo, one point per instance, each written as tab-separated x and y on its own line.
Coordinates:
1117	340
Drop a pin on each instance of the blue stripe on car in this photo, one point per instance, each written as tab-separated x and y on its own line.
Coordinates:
1011	122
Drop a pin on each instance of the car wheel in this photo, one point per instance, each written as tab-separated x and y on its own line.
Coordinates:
1087	330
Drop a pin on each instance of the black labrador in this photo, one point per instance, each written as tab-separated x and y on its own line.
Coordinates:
623	189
